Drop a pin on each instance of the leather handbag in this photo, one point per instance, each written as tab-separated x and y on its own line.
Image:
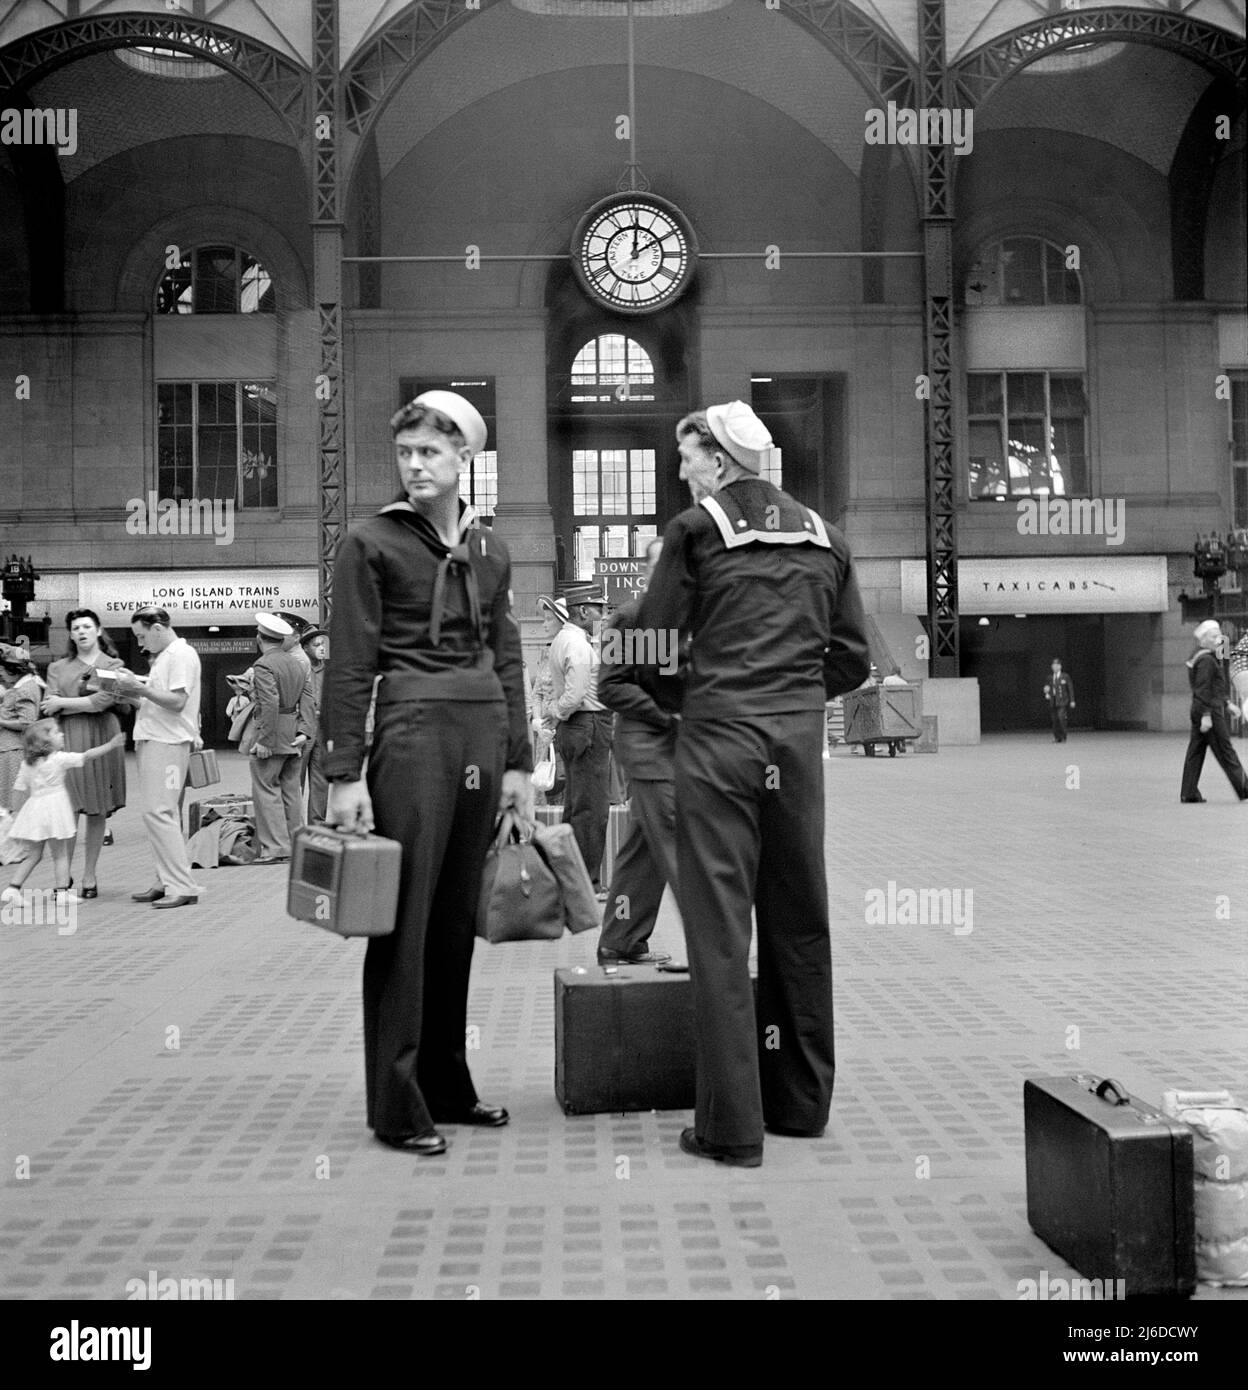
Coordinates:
557	845
520	896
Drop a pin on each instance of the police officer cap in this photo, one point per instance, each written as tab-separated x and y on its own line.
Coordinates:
741	433
277	628
465	415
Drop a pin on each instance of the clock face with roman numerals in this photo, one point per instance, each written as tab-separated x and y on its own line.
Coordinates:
634	253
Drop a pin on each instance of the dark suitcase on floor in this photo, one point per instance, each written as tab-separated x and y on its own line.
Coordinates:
1109	1185
623	1041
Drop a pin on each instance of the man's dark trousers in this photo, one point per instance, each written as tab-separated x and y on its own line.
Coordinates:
644	866
434	777
1059	723
749	826
1218	741
583	741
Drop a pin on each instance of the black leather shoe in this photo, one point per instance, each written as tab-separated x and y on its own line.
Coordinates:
691	1144
92	892
609	957
108	838
427	1145
794	1133
151	896
493	1115
174	902
1191	800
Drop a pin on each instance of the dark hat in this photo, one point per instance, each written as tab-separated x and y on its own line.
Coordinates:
576	594
309	633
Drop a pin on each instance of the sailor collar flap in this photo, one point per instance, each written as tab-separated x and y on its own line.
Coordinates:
458	556
761	520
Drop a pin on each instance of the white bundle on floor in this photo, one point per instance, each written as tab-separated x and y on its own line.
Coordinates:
1220	1151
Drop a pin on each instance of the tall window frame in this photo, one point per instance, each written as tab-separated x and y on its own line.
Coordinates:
1022	435
218	440
1238	441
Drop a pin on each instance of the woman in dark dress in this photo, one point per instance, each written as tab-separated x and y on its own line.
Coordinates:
87	719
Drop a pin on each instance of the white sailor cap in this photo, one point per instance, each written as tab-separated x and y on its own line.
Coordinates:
1209	628
270	626
742	434
456	408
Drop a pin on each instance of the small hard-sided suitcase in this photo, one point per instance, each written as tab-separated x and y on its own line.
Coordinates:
202	770
1109	1185
347	884
623	1041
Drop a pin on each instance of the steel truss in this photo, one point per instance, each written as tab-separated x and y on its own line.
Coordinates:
884	67
281	82
980	73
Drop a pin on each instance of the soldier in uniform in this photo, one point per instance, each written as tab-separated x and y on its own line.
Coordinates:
283	695
422	600
766	591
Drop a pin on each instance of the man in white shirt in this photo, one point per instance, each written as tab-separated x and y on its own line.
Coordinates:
581	722
166	729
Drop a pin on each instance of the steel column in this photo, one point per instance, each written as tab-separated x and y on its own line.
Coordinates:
942	518
327	231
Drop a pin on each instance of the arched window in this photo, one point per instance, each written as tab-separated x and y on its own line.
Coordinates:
613	460
612	360
216	280
1022	270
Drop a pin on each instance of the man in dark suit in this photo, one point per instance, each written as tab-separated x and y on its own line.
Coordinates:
1059	691
283	696
645	746
766	591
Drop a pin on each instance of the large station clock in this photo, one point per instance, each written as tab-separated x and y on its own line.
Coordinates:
634	253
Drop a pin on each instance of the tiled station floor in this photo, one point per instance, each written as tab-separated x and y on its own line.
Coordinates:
1096	944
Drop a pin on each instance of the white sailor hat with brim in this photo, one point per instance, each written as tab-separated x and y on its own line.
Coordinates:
461	412
554	606
271	626
742	434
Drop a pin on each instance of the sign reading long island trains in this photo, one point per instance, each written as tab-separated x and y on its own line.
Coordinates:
625	577
197	598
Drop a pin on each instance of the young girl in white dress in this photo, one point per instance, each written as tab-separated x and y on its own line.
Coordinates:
48	814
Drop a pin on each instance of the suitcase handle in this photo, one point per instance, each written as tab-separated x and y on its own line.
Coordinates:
1120	1096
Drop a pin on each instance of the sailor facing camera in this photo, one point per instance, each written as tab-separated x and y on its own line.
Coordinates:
765	589
421	599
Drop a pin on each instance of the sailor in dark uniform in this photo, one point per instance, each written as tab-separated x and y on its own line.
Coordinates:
422	599
766	590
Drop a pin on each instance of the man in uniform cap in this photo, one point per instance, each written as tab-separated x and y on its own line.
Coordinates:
1211	697
580	722
314	643
422	599
766	591
283	723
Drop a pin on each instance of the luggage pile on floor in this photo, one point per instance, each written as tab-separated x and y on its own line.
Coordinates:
222	831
